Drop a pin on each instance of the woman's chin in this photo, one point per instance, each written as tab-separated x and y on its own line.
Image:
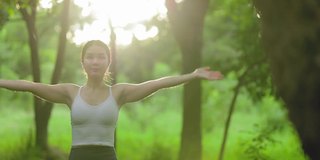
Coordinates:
95	76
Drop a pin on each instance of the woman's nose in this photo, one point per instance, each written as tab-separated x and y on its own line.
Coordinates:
95	60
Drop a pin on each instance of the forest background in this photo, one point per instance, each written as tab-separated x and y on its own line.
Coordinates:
151	129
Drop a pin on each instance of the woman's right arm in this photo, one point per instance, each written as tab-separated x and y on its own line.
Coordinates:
58	93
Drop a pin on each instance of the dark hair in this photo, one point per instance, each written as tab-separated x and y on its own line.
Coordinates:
95	42
107	76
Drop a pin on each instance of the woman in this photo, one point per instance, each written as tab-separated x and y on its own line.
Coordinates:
95	105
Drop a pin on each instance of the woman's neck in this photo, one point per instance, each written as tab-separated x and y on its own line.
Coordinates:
95	83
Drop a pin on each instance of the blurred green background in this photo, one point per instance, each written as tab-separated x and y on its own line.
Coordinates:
151	129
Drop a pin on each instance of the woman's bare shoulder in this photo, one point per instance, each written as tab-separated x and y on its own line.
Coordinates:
117	88
72	90
118	92
70	86
120	87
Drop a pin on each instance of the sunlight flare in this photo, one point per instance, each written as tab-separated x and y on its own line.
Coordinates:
127	18
45	4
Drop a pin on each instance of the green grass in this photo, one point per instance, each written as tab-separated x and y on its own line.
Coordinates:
60	128
151	131
16	132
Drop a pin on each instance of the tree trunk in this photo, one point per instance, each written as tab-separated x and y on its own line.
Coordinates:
291	37
241	82
44	113
187	26
30	20
43	109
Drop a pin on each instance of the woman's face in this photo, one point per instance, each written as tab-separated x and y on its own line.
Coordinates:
95	61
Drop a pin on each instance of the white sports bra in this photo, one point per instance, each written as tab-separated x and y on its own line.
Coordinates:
93	125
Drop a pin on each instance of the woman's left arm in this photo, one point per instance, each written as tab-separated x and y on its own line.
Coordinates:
135	92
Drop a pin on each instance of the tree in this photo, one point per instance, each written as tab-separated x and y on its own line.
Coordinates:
291	39
236	23
187	20
42	110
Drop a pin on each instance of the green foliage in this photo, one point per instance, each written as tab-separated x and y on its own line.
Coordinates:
3	17
259	142
151	129
6	10
137	61
16	133
160	151
59	128
232	43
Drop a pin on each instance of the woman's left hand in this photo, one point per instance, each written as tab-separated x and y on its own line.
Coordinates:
207	73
